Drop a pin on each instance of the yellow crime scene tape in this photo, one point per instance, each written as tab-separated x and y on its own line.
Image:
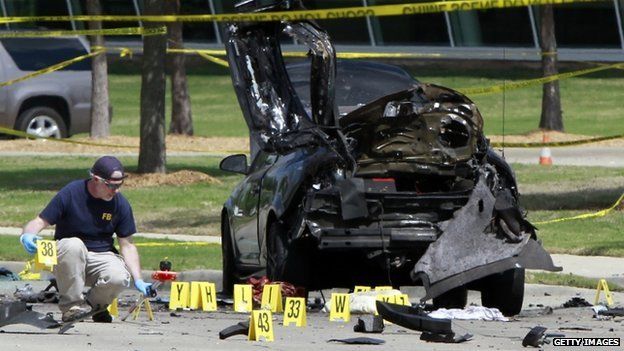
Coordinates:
61	33
52	68
21	134
600	213
213	59
558	143
210	56
525	83
18	133
123	51
335	13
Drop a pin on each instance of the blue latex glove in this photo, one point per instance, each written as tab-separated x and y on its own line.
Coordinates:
29	241
142	286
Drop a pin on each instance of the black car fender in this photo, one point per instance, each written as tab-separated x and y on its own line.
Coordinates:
503	169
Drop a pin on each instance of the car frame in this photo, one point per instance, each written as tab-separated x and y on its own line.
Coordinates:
403	190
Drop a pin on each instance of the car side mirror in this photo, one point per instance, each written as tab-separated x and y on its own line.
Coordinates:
234	163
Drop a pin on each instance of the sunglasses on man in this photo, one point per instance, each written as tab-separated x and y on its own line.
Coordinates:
111	186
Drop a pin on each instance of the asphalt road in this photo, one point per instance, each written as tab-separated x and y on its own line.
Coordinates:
569	156
192	330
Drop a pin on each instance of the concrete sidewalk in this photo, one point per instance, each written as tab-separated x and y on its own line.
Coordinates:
216	239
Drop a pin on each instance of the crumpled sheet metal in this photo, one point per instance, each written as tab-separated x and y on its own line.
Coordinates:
17	312
433	330
464	252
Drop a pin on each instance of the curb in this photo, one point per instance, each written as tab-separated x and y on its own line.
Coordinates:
213	239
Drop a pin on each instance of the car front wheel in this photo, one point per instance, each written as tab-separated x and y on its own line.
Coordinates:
286	261
227	253
43	122
454	298
504	291
276	251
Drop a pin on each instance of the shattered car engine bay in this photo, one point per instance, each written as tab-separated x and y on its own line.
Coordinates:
402	190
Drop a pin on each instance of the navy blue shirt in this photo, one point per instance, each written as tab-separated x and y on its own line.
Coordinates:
78	214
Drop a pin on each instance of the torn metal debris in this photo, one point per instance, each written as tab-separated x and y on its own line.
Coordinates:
413	318
433	329
369	324
18	312
241	328
359	341
535	337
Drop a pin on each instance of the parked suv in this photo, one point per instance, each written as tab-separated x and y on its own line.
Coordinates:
55	104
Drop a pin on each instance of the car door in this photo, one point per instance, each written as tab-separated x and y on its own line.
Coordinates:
245	210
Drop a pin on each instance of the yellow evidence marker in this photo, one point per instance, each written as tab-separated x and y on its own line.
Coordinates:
148	309
340	307
243	299
272	298
295	311
602	285
204	296
113	308
46	255
261	325
359	288
208	296
386	299
402	299
179	296
383	288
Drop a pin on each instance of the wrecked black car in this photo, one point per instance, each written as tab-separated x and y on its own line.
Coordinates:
402	190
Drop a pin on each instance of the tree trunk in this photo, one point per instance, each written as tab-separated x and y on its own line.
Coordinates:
181	117
551	118
152	149
100	119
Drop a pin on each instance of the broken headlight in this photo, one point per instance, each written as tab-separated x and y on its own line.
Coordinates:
454	132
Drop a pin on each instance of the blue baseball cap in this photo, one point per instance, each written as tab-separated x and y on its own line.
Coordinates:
106	166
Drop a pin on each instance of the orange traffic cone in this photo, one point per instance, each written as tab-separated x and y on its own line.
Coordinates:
545	157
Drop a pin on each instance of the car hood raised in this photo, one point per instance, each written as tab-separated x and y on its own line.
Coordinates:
272	110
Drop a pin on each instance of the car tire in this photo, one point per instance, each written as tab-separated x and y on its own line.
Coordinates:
42	121
227	254
504	291
286	261
454	298
276	251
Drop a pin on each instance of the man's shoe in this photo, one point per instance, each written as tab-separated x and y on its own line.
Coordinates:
75	313
102	317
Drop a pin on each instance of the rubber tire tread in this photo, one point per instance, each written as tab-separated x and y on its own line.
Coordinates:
25	117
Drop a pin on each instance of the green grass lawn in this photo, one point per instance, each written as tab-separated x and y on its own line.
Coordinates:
591	104
548	278
183	257
555	192
28	183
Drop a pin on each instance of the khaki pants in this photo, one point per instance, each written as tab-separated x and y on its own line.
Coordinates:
104	272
